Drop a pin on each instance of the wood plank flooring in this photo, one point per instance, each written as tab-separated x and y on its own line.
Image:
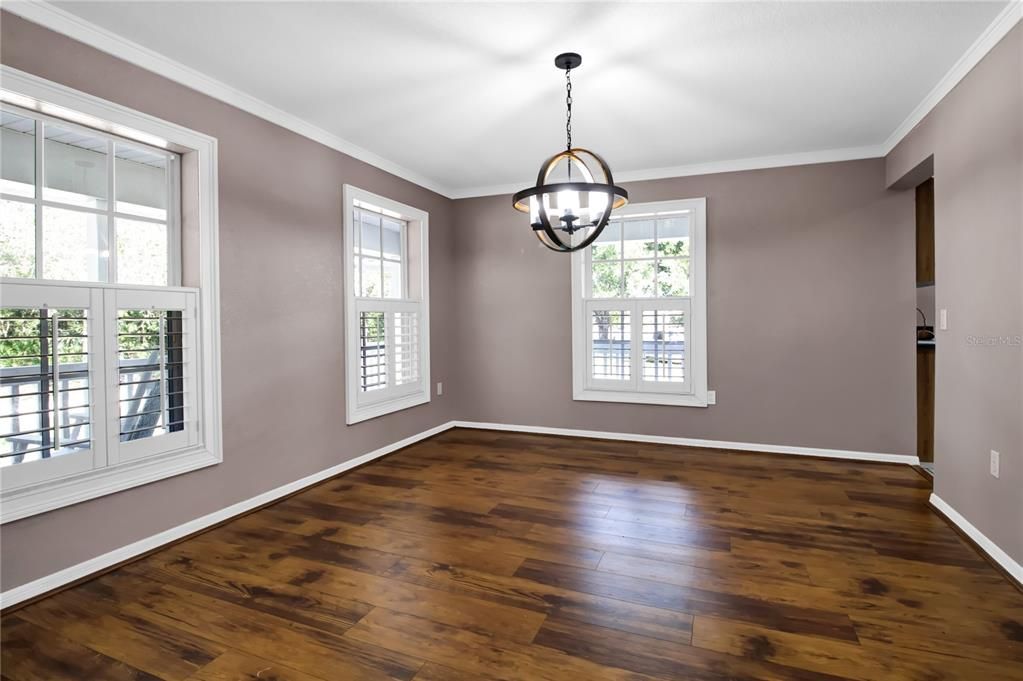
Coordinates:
486	556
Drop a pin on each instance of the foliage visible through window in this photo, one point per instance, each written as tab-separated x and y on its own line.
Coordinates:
635	317
642	257
44	383
103	211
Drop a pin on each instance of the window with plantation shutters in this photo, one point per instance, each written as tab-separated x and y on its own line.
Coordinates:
109	366
639	308
93	377
387	305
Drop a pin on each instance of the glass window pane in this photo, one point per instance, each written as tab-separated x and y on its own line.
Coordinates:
370	237
639	239
17	239
607	280
611	345
608	245
140	179
392	238
392	279
673	277
371	283
74	245
30	428
141	252
75	167
639	278
673	236
17	154
664	337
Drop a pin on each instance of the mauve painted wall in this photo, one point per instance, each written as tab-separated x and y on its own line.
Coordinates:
976	137
281	303
811	314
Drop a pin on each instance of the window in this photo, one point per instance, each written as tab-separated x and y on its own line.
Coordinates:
103	205
639	307
108	365
387	305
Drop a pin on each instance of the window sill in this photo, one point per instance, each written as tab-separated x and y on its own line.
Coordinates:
372	411
664	399
50	495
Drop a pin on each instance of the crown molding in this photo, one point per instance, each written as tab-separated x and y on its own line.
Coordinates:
64	22
45	14
710	168
996	30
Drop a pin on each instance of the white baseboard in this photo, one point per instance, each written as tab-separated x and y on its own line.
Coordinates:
992	549
693	442
102	562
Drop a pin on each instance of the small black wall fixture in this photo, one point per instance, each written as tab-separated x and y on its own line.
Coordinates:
570	206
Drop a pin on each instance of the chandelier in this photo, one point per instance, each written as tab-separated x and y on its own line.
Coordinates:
568	213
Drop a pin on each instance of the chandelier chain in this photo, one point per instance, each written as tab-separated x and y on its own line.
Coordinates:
568	105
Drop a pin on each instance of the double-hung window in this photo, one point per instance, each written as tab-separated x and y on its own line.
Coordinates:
108	364
639	307
387	305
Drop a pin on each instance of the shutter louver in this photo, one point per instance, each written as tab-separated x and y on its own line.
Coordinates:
372	351
150	373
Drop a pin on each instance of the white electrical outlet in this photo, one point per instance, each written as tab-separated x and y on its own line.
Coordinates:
712	397
440	388
943	319
995	456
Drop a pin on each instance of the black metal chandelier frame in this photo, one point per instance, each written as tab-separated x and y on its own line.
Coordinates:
617	197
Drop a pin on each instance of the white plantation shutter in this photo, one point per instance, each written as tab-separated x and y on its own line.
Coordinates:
107	376
373	351
662	326
48	387
639	308
637	345
406	347
389	350
156	373
611	336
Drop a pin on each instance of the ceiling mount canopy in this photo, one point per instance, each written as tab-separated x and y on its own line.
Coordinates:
575	192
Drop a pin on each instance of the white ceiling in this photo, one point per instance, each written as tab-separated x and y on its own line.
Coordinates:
466	95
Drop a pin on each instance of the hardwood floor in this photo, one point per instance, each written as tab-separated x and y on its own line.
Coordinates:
478	556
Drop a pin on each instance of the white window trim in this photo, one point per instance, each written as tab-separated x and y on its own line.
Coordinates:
37	94
696	333
419	220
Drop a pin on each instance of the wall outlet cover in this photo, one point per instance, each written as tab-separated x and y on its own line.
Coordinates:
995	461
712	397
